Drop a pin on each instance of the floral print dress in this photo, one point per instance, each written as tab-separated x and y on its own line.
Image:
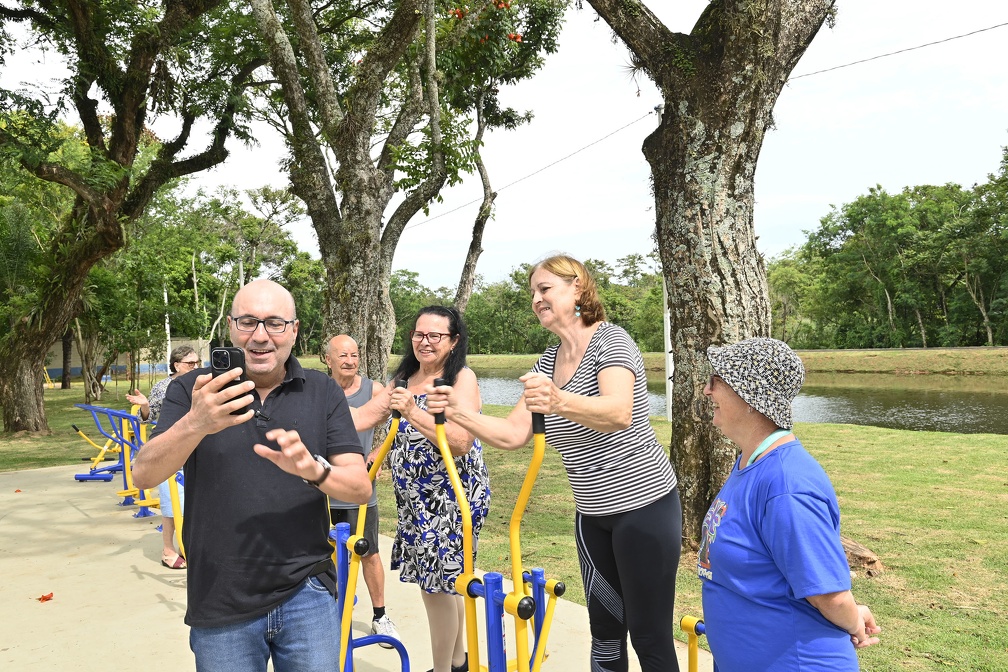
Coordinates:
428	544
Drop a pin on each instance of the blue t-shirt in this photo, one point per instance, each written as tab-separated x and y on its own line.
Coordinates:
770	539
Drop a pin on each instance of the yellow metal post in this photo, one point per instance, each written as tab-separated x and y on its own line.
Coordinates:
348	599
689	626
468	569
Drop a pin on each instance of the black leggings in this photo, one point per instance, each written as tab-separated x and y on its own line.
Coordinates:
628	566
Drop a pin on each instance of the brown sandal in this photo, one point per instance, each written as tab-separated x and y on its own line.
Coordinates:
178	563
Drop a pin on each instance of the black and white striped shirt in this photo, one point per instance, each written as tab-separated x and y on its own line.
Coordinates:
617	471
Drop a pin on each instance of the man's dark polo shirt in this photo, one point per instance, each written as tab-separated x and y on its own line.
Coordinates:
253	532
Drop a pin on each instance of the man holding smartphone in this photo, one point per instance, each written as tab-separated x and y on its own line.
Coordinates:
260	578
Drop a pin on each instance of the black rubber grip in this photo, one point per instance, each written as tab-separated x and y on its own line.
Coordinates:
538	423
399	383
439	417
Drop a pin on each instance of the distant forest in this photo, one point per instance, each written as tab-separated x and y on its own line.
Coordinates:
927	267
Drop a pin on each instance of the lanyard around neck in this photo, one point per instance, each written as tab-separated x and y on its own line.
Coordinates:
767	442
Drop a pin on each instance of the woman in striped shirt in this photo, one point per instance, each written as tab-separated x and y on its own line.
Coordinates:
593	391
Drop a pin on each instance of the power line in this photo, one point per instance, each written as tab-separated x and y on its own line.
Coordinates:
532	174
608	135
900	51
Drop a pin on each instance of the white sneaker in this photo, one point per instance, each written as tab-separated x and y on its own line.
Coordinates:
384	626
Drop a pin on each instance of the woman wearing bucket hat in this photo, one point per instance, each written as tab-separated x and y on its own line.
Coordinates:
776	583
592	388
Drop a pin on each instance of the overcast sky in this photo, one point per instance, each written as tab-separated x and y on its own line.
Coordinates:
927	116
933	115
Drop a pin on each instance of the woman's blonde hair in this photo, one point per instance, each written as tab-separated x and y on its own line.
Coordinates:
568	268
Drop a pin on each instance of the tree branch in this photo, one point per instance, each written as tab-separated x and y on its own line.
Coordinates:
318	69
164	168
406	119
53	172
647	37
309	173
429	188
366	92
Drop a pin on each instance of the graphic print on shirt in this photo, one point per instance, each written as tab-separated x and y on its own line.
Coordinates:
710	524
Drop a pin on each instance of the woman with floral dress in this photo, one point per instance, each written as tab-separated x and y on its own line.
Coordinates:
428	544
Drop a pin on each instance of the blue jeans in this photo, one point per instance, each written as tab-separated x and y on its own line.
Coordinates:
301	635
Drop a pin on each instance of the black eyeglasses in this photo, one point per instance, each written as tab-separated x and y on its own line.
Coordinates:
710	381
273	325
194	363
432	337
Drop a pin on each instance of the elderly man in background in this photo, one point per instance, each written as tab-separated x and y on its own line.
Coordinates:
342	354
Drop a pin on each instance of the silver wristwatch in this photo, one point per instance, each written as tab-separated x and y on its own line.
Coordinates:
326	467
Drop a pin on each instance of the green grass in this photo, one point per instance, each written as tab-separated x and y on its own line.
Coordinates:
916	361
946	361
906	363
931	505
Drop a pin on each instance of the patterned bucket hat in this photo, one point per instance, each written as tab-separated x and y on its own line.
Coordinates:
765	372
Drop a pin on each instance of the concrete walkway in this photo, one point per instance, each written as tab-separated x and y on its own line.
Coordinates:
114	606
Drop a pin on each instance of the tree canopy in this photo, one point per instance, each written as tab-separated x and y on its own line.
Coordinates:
127	64
924	267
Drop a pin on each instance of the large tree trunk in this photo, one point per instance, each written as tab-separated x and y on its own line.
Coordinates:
719	85
31	337
357	300
21	390
716	280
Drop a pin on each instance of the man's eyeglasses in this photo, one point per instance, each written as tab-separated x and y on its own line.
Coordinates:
273	325
432	337
191	363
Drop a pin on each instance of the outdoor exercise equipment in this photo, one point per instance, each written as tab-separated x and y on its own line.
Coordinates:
347	555
532	596
528	597
106	473
694	628
176	500
128	433
467	579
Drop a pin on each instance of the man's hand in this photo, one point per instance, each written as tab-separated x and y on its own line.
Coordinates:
209	413
293	456
212	402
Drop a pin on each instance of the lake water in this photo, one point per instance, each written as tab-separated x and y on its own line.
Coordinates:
965	405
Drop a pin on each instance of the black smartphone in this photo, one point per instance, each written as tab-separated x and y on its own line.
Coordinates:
223	360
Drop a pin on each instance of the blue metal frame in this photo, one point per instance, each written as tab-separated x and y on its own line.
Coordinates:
340	534
115	419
